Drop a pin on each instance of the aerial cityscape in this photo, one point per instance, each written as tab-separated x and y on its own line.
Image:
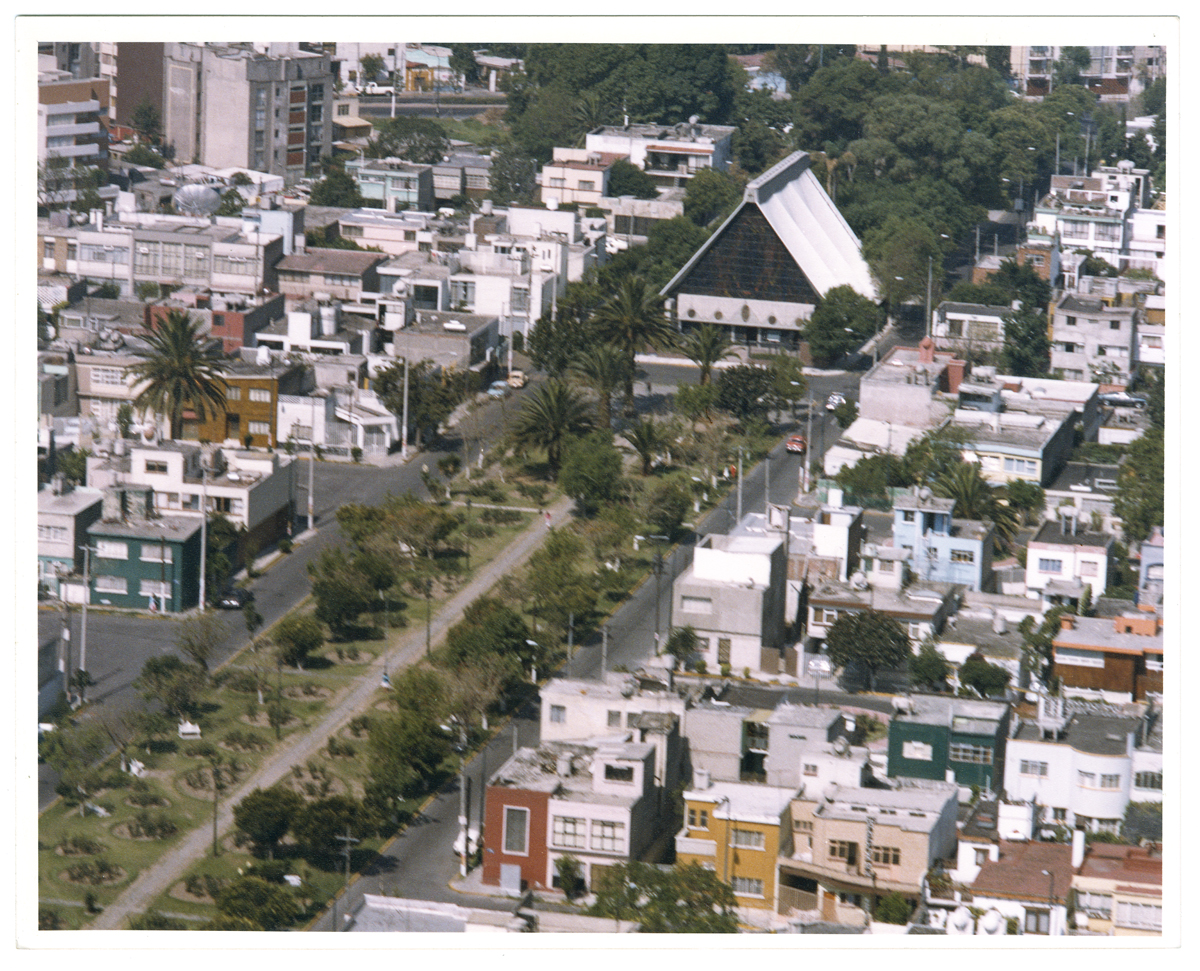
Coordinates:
603	488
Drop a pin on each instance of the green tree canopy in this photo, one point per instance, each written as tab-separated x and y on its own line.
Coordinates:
173	683
685	899
602	368
338	188
297	636
1026	348
405	750
319	824
710	196
591	471
265	816
181	372
271	906
419	140
626	179
552	415
705	346
632	318
841	322
868	640
988	679
744	391
928	668
1141	486
341	590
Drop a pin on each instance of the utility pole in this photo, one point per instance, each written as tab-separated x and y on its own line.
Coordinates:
404	417
346	842
312	452
767	487
87	595
929	301
570	640
603	651
808	448
462	802
739	485
204	529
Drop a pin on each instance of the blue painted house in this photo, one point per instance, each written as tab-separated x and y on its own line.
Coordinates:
943	549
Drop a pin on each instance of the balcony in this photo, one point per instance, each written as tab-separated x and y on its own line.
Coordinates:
695	847
792	900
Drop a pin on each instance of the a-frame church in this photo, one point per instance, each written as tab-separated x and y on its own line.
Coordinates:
763	272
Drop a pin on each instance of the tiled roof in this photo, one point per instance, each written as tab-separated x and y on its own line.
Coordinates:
1017	874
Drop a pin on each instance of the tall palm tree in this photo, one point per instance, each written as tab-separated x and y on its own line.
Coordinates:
181	372
706	346
975	498
632	318
601	368
550	416
647	439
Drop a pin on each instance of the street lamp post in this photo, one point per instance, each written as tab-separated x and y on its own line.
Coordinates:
1050	922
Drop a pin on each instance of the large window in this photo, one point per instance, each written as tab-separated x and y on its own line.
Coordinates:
844	851
1035	768
749	838
886	855
1037	922
747	887
1147	780
1094	904
1049	566
157	553
1110	782
570	831
111	549
1146	916
516	830
558	714
110	584
618	773
972	754
608	836
697	818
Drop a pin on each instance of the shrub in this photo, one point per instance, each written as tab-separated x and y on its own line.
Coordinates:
241	681
79	845
725	669
892	909
247	741
359	725
141	794
702	666
356	454
92	871
285	545
152	920
49	920
151	825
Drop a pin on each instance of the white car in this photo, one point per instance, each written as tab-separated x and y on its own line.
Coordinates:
834	401
472	841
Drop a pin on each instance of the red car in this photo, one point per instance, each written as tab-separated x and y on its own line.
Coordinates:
797	443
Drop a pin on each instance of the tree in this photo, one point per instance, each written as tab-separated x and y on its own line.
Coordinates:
1025	497
710	196
147	122
176	685
342	591
744	391
296	637
142	155
463	63
1026	350
271	906
788	385
846	414
265	816
73	464
986	678
626	179
318	825
602	368
370	67
198	638
705	346
893	909
1139	500
667	505
695	401
338	188
928	668
181	372
405	750
419	140
489	627
647	439
686	899
631	319
868	640
431	397
73	750
512	177
975	498
591	471
841	322
559	586
550	416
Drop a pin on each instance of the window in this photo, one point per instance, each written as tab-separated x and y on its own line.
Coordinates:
570	832
695	605
1037	922
48	249
1041	769
557	183
155	588
918	751
1130	914
826	616
962	556
886	855
1021	466
107	584
157	553
724	649
259	428
843	850
260	394
233	393
1147	780
108	375
608	836
1049	566
1110	782
981	857
749	838
1070	321
614	719
58	534
972	754
516	830
1114	325
1068	347
558	714
908	516
1089	569
618	773
698	818
810	769
747	887
1087	779
914	630
1094	904
111	549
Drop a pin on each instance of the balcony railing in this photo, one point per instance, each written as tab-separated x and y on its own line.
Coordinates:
792	900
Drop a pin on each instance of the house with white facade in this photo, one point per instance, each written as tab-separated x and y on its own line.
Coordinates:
669	154
969	327
64	514
1063	557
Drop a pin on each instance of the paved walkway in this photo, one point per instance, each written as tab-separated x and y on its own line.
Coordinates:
159	878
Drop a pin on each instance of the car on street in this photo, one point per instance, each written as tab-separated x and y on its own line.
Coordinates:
516	378
234	599
1122	399
834	401
797	444
498	389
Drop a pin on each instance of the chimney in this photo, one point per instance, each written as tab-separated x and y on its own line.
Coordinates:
955	370
1068	622
1078	844
926	350
702	779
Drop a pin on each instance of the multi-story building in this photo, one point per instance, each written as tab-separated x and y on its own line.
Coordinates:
259	106
1027	883
920	609
576	175
394	184
763	272
670	155
1115	659
63	517
134	71
1118	890
950	739
944	549
1115	73
72	118
739	830
1063	557
967	328
594	802
1088	488
252	393
326	274
850	846
1013	445
234	318
1093	341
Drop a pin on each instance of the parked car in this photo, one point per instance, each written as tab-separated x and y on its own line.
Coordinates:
798	444
1122	399
516	378
234	599
835	400
472	841
498	389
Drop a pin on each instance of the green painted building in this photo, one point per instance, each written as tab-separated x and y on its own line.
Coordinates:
942	735
145	564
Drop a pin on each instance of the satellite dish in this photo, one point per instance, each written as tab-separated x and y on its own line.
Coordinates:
196	199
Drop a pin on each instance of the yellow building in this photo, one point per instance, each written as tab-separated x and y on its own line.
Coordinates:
739	830
1118	890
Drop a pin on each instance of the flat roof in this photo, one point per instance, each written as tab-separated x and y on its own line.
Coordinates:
1099	633
1051	531
961	714
747	802
169	528
68	503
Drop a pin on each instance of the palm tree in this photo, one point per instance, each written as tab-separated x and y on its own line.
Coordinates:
632	318
975	498
602	369
181	372
551	415
706	346
647	439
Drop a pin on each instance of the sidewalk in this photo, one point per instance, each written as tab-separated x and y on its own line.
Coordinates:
159	877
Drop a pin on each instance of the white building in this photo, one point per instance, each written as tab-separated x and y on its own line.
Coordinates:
1064	557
